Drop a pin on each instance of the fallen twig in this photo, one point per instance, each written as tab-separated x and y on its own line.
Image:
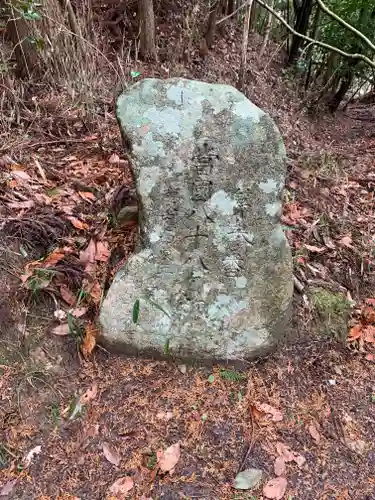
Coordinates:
298	285
49	143
250	445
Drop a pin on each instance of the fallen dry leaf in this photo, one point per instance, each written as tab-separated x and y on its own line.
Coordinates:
258	414
368	315
293	213
288	455
354	333
29	457
53	258
299	459
21	204
9	162
368	334
162	415
122	485
7	488
111	454
20	174
87	256
279	466
67	295
102	251
89	340
284	451
113	159
276	415
370	357
275	488
312	248
96	293
346	241
78	312
356	445
314	433
328	243
168	458
370	302
87	195
91	431
89	395
62	329
78	224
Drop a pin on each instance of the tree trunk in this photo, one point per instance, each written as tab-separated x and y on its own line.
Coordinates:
314	34
45	45
288	21
232	5
303	12
147	46
332	62
267	31
245	38
254	16
345	84
20	33
211	24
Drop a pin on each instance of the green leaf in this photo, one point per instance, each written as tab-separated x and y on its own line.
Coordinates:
157	306
211	379
53	192
71	323
39	42
240	397
135	314
134	74
204	417
31	16
152	461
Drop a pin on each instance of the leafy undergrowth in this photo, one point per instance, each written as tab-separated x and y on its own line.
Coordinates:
77	422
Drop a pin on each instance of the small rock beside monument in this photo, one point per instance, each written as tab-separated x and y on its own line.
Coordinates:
211	279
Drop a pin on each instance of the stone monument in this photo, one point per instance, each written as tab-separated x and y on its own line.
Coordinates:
211	278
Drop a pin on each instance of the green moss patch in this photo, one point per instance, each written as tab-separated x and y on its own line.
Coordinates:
332	312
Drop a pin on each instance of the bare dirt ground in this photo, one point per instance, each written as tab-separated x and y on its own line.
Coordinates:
74	418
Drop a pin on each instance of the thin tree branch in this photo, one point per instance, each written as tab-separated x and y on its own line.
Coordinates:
316	42
232	13
345	24
311	40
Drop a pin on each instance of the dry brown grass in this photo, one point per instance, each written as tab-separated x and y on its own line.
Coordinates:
77	77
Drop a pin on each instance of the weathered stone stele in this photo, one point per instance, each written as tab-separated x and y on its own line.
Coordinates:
212	274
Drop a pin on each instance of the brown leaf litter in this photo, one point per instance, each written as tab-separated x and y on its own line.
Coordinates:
149	429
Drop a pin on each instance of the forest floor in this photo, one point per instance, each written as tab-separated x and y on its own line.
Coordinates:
74	418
